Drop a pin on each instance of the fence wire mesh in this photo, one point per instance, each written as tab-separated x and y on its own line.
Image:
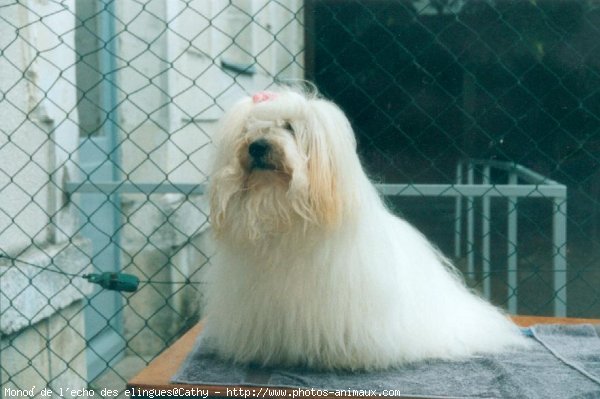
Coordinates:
107	110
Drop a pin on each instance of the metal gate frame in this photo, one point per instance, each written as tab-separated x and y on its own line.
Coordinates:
536	186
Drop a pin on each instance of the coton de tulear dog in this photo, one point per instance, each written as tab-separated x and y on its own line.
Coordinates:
312	270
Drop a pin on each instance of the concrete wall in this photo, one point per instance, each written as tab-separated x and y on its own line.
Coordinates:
38	122
41	317
48	354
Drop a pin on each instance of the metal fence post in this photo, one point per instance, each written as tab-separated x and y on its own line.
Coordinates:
559	240
485	236
470	225
512	248
458	213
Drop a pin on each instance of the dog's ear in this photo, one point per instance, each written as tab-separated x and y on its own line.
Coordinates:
331	145
221	189
225	176
229	132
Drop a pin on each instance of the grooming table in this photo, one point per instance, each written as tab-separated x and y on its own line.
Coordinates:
154	380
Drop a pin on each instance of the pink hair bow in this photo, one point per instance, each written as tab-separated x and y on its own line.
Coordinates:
263	96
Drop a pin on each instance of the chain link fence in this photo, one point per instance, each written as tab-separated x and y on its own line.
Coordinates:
480	119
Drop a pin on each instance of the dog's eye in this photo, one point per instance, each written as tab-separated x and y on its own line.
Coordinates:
288	126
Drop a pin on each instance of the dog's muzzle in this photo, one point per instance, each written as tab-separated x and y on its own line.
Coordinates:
259	151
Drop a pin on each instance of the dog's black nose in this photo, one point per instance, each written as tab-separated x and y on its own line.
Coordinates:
258	148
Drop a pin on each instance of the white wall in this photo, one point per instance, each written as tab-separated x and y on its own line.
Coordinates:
38	119
171	83
246	32
38	140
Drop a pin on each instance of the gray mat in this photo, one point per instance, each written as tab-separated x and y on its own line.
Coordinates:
563	362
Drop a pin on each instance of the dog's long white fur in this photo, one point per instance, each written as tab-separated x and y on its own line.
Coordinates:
312	269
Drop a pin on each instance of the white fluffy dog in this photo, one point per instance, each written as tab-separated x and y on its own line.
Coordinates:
312	269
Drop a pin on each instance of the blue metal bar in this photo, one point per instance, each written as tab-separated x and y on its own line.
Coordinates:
559	240
474	190
511	254
403	190
522	172
485	236
130	187
458	213
470	225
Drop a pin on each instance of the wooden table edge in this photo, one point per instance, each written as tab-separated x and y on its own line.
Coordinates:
157	374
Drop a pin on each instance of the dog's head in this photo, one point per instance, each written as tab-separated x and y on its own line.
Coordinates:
281	157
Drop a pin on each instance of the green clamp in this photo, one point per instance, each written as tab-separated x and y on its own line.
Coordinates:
114	281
